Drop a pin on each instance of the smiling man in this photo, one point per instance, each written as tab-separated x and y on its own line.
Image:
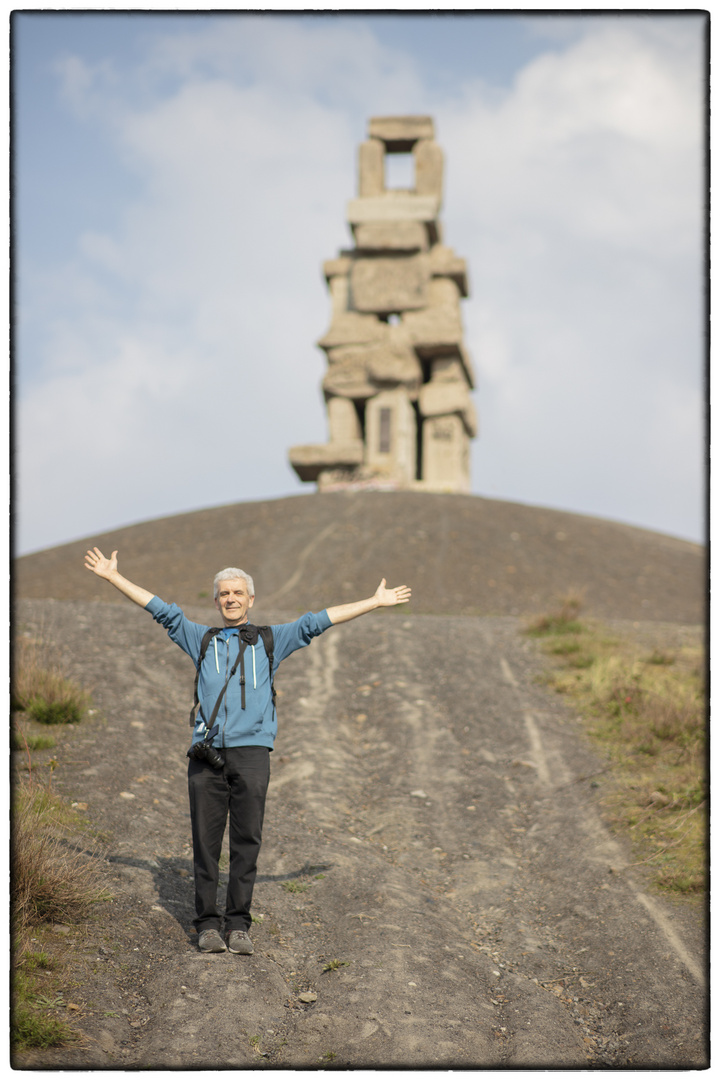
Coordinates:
234	728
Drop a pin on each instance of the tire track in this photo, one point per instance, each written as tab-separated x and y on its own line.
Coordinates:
595	830
468	901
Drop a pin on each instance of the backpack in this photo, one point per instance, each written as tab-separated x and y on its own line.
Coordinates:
249	634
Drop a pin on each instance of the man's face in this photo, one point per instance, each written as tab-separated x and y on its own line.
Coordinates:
233	601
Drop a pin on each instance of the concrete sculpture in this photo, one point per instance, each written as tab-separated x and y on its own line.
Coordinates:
398	381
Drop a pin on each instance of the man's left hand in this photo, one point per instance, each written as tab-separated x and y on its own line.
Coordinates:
390	597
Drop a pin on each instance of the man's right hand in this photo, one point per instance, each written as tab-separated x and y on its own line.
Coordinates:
108	569
99	564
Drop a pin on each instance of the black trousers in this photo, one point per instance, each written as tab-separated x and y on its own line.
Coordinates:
238	789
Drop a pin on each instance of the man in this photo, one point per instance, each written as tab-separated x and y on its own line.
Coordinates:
234	731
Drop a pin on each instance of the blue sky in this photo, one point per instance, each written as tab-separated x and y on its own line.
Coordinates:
179	180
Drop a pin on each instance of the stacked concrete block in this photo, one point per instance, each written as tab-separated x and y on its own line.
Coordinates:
398	380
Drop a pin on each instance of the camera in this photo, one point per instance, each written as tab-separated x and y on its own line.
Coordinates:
205	751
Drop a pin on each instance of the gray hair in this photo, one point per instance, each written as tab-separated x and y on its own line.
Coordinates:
228	574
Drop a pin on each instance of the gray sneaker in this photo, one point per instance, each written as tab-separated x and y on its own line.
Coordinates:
210	941
239	942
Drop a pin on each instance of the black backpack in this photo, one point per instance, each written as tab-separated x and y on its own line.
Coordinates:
249	635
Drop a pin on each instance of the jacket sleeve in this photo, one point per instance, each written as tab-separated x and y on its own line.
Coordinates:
188	635
295	635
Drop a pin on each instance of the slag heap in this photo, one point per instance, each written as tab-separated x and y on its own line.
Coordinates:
398	379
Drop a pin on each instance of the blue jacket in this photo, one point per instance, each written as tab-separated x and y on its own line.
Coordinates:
256	724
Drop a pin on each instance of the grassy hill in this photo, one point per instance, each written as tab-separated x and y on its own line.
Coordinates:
461	554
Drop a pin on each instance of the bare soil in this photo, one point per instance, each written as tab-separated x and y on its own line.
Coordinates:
463	555
437	885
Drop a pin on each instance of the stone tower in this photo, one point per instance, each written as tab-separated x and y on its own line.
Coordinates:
398	381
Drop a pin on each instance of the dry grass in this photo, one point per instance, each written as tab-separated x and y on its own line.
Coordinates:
564	620
647	710
40	687
53	878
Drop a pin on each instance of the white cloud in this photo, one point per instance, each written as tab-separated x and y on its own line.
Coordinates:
577	200
188	327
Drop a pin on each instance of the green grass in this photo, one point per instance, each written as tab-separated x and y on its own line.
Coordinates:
21	740
295	886
646	710
37	995
34	1029
333	965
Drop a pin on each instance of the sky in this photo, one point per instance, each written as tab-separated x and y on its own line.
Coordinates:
178	180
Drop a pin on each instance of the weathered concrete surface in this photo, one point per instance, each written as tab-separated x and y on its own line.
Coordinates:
392	284
393	236
393	206
433	827
308	461
399	277
428	168
401	129
371	168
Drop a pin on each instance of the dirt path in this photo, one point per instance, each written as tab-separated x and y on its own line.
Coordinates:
432	826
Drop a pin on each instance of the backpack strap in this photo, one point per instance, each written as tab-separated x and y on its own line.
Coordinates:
266	634
207	638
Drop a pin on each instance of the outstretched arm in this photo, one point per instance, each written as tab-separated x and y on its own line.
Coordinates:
383	598
107	568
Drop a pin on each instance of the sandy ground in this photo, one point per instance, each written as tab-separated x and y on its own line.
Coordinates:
433	826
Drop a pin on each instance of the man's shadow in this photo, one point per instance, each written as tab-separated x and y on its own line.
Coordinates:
173	879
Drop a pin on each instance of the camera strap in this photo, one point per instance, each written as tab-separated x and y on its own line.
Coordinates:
242	646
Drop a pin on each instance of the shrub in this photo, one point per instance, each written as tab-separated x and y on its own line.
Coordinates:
564	620
41	689
66	710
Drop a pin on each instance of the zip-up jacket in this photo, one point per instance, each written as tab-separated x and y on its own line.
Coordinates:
256	724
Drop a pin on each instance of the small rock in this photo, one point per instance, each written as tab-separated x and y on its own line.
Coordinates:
126	795
419	794
107	1042
307	998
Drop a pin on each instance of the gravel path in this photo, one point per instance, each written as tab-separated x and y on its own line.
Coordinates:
433	827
